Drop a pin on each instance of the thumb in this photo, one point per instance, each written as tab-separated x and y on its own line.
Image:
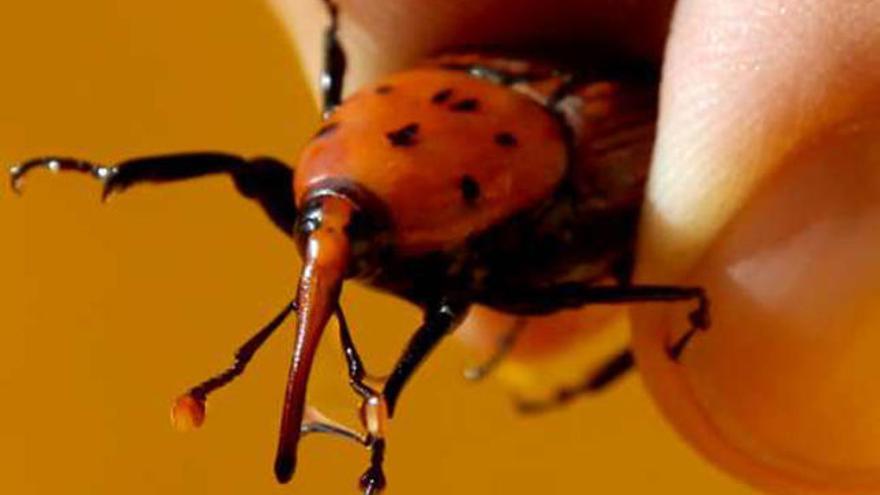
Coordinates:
766	190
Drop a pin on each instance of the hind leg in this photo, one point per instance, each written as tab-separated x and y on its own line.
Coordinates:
597	380
574	295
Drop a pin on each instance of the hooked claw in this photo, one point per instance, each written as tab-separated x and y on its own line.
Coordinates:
58	164
373	480
699	319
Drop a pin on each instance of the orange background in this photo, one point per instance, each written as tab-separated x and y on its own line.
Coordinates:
107	313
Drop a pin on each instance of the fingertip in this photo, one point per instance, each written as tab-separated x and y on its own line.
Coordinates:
763	190
776	391
743	86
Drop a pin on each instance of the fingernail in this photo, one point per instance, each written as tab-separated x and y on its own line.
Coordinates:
784	388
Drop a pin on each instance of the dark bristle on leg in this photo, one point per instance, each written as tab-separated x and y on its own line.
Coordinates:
267	181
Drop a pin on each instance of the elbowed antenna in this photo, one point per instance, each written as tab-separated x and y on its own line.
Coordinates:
326	261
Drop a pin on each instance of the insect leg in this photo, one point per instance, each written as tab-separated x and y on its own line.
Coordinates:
357	373
192	403
376	408
505	345
265	180
373	410
606	374
439	322
333	71
574	295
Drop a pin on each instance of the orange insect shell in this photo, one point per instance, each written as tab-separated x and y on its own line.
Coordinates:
421	180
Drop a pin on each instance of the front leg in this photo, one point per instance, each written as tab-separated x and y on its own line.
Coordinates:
440	320
189	409
376	407
265	180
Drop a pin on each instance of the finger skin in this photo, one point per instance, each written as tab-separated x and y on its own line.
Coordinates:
746	83
764	189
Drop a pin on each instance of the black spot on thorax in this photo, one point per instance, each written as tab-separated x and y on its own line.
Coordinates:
405	136
470	189
441	96
384	89
465	105
505	139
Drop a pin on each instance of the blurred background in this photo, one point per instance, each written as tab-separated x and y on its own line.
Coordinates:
109	312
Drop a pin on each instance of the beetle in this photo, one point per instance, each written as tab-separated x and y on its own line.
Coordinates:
513	182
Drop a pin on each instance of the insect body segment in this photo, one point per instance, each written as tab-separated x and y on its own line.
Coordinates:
436	164
470	179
